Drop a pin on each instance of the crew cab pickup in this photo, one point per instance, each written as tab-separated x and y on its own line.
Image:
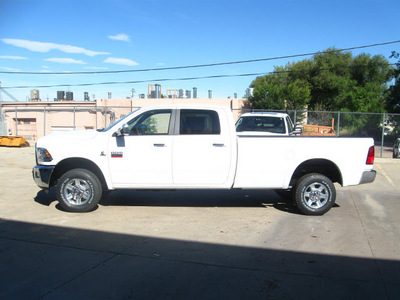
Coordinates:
196	147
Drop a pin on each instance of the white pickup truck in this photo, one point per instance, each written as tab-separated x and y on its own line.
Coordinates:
196	147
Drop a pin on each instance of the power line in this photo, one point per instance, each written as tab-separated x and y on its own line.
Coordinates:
199	66
134	82
180	79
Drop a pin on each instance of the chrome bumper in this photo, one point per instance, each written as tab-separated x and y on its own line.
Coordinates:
41	176
368	177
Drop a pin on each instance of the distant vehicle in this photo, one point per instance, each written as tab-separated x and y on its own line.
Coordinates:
266	123
396	148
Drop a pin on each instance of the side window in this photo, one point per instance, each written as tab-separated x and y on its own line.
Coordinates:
193	121
151	122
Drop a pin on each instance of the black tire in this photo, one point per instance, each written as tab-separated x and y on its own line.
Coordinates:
78	190
315	194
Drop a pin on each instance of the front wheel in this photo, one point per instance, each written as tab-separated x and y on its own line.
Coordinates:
315	194
78	190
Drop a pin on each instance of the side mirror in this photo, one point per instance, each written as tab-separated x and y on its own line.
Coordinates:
123	130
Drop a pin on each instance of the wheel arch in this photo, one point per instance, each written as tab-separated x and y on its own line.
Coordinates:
321	166
77	163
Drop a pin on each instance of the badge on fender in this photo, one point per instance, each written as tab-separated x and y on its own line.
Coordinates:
117	154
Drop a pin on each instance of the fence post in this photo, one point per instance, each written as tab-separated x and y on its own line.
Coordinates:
383	134
105	117
74	117
44	121
16	121
338	124
97	126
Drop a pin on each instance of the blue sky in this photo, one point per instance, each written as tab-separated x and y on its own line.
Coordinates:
47	36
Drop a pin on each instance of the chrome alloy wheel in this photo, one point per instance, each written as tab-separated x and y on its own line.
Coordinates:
316	195
77	191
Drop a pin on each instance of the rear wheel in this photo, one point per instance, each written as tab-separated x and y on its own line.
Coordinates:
78	190
315	194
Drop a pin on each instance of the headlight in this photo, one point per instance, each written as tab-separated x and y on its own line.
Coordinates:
42	155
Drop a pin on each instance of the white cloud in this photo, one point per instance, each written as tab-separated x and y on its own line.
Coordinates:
46	47
121	61
13	57
66	61
10	69
120	37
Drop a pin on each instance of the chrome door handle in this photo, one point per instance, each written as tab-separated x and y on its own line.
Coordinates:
159	145
218	145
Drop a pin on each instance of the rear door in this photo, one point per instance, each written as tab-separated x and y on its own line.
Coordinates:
202	154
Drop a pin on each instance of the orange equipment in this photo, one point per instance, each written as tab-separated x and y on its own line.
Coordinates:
13	141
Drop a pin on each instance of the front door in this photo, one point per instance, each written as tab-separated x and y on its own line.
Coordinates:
143	158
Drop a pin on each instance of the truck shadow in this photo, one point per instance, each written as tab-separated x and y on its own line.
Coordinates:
184	198
46	198
198	198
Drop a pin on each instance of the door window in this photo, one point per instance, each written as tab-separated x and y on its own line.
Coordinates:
193	121
151	123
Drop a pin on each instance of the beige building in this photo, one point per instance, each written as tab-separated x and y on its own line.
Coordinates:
36	119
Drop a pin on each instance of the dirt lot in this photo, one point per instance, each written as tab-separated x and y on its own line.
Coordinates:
197	244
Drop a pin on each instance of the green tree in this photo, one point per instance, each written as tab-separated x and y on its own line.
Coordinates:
393	93
279	91
331	79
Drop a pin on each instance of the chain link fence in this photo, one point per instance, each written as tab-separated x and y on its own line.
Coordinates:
39	121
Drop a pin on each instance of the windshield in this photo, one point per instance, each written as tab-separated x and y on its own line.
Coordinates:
261	124
119	121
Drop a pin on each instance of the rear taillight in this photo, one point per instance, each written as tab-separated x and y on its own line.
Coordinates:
371	155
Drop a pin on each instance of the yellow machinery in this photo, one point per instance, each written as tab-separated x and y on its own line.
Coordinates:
13	141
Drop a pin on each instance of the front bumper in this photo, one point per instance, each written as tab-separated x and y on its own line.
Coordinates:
42	175
368	177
